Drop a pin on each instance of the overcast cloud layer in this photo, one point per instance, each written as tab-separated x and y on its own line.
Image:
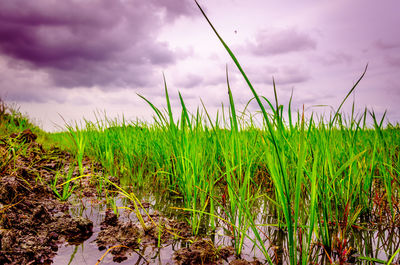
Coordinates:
72	57
89	43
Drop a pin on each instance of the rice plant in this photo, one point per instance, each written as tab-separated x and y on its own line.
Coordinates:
316	181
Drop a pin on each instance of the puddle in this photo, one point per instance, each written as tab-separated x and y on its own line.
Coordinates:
374	243
34	222
88	252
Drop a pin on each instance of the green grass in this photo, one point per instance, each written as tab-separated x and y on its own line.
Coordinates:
65	189
321	180
317	181
12	121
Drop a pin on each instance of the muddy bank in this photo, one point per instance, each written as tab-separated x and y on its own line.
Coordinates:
35	213
33	222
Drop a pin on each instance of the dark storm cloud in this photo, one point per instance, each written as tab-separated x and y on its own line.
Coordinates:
269	42
89	43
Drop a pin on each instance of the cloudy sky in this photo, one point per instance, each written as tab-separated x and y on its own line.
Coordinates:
75	58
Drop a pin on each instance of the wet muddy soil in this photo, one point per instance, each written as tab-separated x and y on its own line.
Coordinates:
131	236
37	227
203	252
32	221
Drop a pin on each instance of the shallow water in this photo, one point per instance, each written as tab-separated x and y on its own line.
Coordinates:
88	252
379	244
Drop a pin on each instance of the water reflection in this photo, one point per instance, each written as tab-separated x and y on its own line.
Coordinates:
377	243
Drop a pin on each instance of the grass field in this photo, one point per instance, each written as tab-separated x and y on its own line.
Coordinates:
328	187
320	183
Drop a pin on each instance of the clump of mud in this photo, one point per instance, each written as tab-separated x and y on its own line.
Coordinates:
127	237
244	262
122	236
32	221
202	252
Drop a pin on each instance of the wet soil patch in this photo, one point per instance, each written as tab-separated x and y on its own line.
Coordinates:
32	221
203	251
35	223
129	237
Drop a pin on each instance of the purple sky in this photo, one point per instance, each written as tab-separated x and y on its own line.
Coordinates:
74	57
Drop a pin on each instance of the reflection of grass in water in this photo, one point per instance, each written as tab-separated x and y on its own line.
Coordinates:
330	174
73	254
327	177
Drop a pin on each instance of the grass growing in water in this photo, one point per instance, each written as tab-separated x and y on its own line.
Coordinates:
322	179
334	178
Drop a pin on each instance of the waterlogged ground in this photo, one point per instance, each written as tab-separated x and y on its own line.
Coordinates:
42	222
33	222
110	230
38	227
